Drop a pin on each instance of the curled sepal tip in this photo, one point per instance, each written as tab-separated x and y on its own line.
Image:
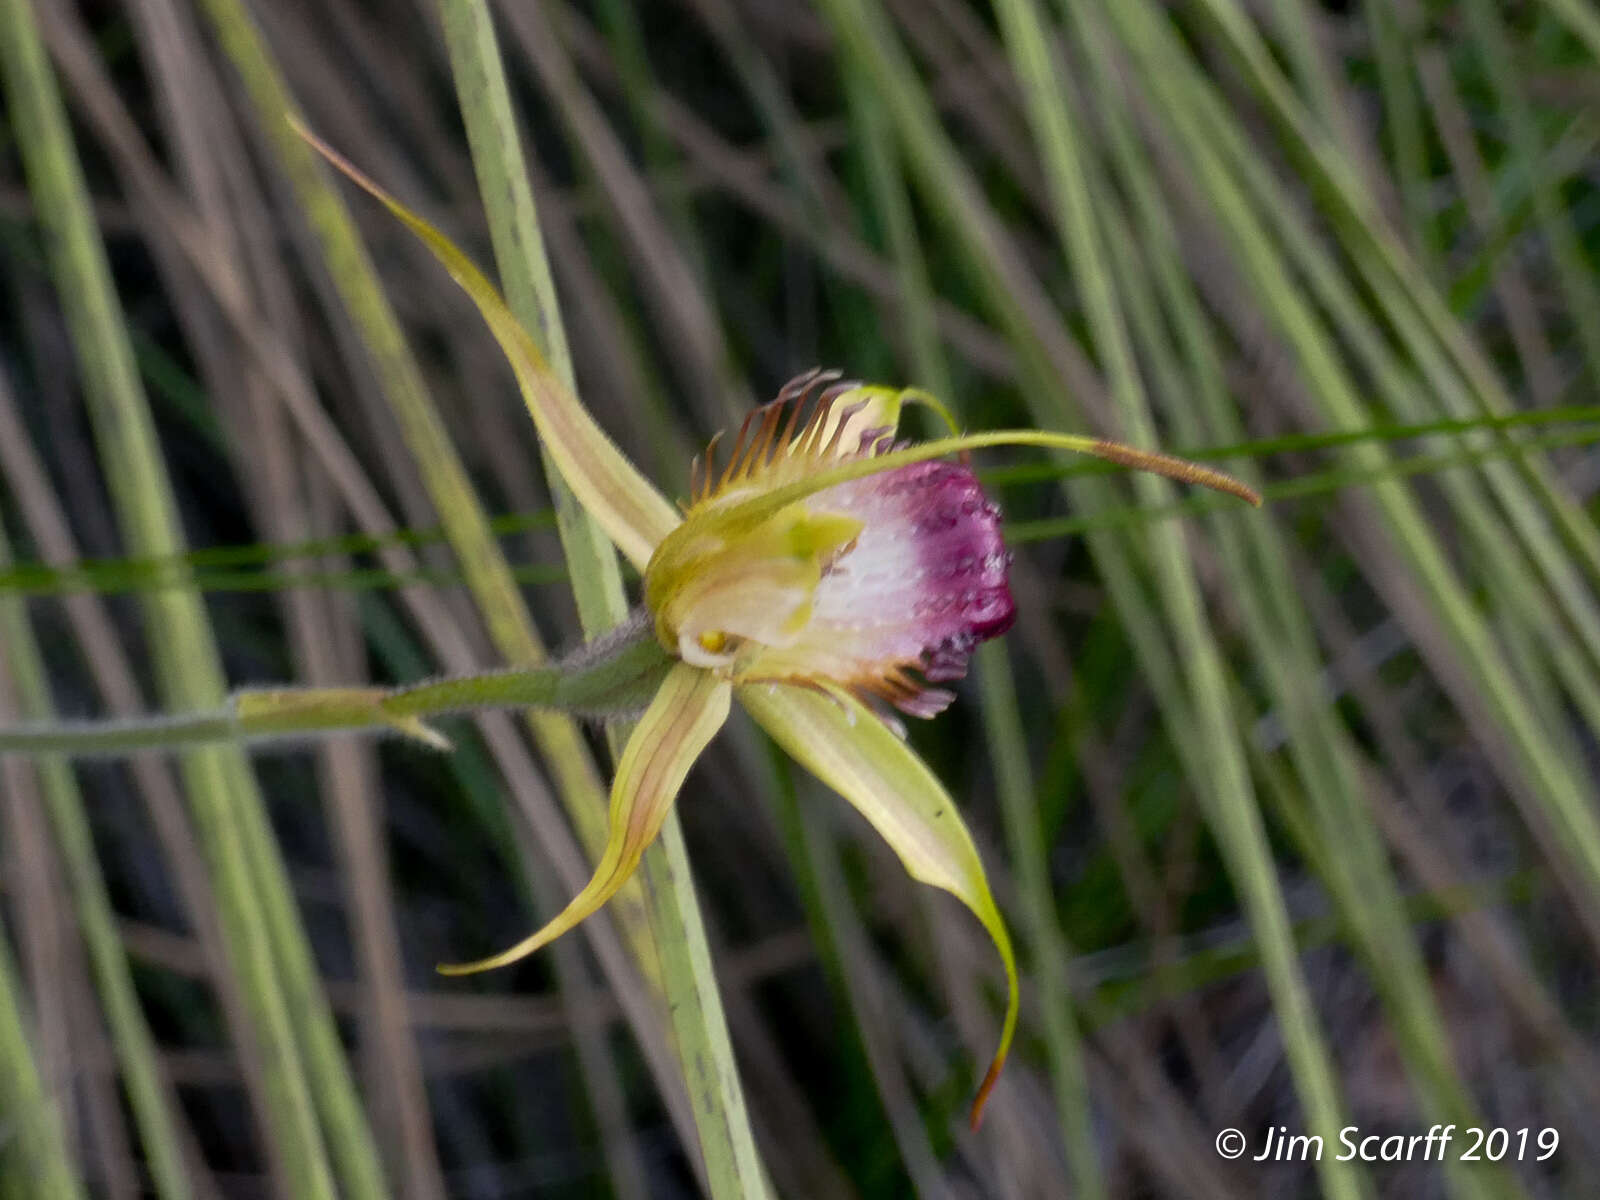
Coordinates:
680	722
842	743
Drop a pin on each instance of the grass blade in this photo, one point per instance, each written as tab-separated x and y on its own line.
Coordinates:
726	1144
33	1148
153	1103
262	942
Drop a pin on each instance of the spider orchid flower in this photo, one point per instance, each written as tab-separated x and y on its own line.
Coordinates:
824	572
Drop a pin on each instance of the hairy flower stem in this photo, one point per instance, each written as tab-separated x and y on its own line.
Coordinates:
612	676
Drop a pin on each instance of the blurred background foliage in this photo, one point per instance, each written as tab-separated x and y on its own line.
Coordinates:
1292	812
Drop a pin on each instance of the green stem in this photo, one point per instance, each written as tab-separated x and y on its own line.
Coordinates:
107	739
615	674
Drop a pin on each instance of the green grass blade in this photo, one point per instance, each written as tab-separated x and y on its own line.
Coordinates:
1003	723
726	1143
1232	804
1548	775
1353	865
843	943
1001	711
34	1162
1429	329
263	946
1391	39
466	527
485	567
1575	276
153	1103
1581	19
525	277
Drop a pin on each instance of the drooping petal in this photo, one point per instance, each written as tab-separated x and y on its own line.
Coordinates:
628	507
680	722
924	582
841	742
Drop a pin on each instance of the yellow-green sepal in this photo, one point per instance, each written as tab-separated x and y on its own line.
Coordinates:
628	507
842	743
680	722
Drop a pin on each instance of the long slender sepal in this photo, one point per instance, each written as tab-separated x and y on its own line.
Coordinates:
680	722
628	507
1182	470
842	743
736	515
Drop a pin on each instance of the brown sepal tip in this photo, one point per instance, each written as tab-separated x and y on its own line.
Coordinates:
975	1117
1180	469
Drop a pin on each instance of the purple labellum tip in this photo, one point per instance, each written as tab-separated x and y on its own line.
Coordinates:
924	584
